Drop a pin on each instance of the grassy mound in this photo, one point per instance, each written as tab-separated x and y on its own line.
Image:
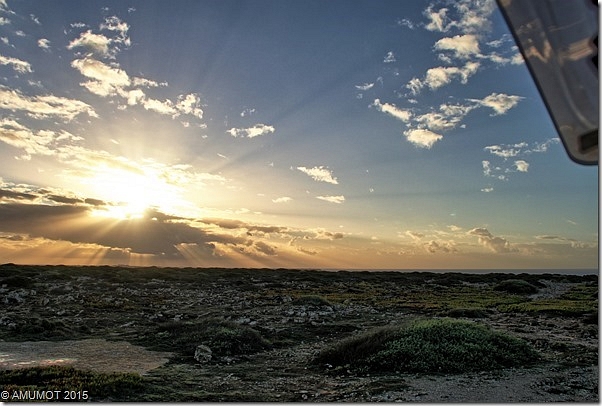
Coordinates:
223	337
98	386
430	346
516	286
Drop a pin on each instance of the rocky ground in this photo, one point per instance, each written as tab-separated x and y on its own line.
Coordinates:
128	319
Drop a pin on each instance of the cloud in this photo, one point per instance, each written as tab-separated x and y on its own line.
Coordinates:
95	43
500	103
518	150
422	138
448	117
439	246
332	199
319	174
492	171
251	132
43	106
247	112
321	234
462	46
283	199
404	22
426	128
466	16
110	80
389	58
365	86
391	109
115	24
17	64
414	235
191	104
521	165
495	244
41	142
508	150
487	189
107	80
443	75
438	20
44	43
99	44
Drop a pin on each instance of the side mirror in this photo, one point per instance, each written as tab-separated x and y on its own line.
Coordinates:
559	41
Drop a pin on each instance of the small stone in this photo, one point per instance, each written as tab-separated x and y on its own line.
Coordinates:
202	354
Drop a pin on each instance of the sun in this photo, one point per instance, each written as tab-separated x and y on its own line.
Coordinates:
129	194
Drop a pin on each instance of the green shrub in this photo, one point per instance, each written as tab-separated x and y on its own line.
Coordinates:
223	337
517	286
430	346
99	386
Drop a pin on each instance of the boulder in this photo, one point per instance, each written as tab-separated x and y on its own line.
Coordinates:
202	354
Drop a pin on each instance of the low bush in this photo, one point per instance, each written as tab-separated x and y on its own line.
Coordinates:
516	286
429	346
98	386
223	337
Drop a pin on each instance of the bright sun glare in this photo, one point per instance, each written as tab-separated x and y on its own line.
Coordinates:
129	194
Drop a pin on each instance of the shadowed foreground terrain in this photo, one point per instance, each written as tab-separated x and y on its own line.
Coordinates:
159	334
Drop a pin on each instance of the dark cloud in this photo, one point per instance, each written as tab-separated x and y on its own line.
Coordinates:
10	194
152	234
241	225
64	199
155	233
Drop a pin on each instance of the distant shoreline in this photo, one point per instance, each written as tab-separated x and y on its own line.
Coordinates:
578	271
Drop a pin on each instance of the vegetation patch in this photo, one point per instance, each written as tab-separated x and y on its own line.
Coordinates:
430	346
516	286
472	313
224	338
312	300
98	386
17	282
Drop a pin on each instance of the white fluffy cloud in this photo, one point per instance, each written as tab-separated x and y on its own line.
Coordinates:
44	43
96	43
422	138
44	106
319	174
462	46
500	102
251	132
393	110
521	165
106	80
466	16
17	64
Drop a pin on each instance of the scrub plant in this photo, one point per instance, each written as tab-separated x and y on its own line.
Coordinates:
429	346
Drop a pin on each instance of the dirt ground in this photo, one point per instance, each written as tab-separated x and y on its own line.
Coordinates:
101	323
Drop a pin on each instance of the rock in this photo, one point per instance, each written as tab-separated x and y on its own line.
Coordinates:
202	354
13	298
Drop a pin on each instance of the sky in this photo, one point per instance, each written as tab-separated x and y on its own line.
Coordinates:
365	134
